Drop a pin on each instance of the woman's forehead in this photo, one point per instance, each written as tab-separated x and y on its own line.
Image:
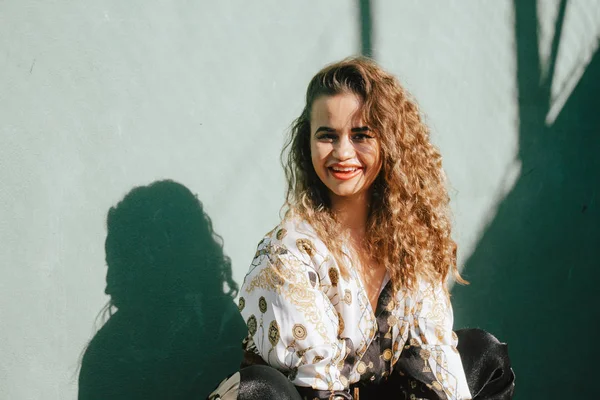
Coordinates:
340	110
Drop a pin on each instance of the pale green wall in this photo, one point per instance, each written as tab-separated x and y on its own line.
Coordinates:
98	97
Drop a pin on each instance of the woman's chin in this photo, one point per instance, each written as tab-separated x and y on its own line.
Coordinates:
345	193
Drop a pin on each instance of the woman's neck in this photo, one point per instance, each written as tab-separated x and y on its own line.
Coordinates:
352	213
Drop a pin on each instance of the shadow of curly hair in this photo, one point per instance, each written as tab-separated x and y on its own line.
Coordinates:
161	247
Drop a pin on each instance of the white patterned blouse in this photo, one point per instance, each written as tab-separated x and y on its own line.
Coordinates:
319	328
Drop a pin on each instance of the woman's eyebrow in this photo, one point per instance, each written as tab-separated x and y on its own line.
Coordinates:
360	129
324	128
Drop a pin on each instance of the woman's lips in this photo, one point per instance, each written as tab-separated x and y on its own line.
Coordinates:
344	173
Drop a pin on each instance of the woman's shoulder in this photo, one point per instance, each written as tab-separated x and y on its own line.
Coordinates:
292	253
293	237
432	291
297	237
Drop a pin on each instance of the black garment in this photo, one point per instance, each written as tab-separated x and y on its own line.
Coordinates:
486	364
265	382
485	361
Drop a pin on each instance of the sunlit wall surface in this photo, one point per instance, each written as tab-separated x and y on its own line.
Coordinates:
99	97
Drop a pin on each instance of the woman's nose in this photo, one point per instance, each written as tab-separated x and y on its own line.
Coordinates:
344	149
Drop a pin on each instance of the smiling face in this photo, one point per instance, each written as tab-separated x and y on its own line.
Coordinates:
344	151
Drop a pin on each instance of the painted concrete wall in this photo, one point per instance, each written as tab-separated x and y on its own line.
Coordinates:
99	97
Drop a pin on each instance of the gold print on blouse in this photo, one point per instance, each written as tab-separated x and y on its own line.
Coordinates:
251	325
286	275
348	297
361	368
438	313
306	246
334	276
341	325
439	332
391	305
262	304
267	279
273	333
387	354
299	332
281	233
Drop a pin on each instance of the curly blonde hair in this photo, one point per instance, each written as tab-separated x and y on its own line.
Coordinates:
408	227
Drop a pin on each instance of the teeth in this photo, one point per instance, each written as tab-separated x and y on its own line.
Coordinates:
349	169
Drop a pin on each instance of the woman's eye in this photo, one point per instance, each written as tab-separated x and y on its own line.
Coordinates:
359	137
327	137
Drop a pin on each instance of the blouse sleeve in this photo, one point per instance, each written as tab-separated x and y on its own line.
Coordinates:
431	329
292	323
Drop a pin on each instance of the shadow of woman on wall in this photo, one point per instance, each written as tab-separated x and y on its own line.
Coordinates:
174	331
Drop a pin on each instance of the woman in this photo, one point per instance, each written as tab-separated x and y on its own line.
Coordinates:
348	296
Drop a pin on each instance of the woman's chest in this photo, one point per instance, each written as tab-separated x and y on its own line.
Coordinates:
358	320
